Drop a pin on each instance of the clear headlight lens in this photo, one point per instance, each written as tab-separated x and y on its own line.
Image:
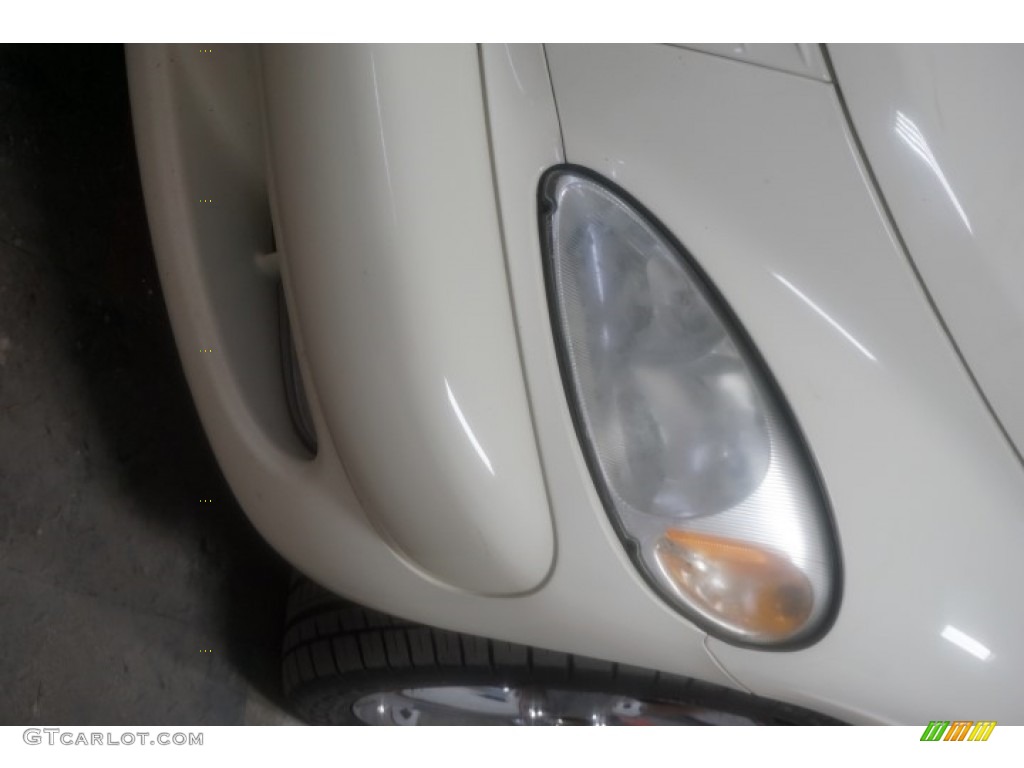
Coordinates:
700	466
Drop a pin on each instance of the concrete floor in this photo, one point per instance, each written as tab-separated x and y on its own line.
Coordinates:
113	577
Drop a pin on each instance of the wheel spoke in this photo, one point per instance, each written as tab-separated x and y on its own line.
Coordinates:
482	705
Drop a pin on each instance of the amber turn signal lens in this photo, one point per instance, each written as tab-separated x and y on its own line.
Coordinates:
756	593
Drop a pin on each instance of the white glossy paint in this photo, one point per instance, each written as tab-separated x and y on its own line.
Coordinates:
592	603
965	641
942	128
798	58
755	172
388	221
827	318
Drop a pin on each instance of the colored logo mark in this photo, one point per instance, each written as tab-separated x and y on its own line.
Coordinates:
958	730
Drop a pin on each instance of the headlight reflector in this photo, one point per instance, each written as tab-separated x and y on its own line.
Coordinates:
700	467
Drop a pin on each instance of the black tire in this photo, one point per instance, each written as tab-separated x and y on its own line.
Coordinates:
335	652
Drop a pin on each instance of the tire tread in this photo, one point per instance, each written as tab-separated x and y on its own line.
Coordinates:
331	644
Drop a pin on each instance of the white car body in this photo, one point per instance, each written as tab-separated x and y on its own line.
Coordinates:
449	485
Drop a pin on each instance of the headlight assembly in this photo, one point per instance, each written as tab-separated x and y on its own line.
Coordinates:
699	464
